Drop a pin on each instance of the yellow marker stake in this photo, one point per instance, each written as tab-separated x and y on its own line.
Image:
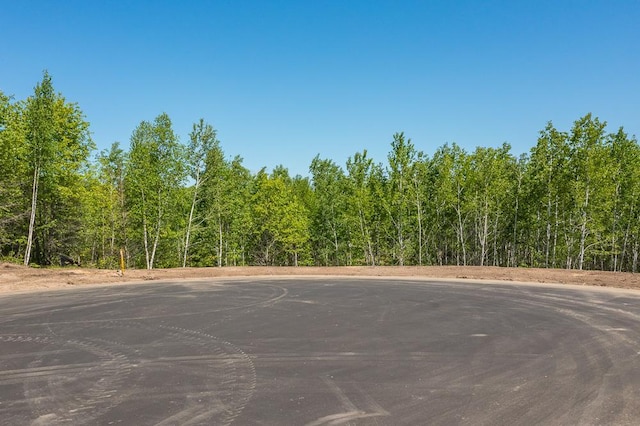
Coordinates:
122	261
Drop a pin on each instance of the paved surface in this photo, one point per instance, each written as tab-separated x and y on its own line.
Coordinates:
322	351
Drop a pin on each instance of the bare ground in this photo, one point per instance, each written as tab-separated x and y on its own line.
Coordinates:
17	278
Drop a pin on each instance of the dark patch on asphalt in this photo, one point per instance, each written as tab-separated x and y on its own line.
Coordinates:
320	351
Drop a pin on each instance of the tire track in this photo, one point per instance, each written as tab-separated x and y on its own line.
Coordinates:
220	378
55	390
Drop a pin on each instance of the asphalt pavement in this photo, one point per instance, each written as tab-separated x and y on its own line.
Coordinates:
320	351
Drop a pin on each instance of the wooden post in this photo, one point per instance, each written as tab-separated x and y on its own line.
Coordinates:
121	261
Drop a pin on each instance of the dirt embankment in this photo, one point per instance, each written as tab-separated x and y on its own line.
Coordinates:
15	278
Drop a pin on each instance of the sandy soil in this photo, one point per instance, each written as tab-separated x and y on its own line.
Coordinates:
17	278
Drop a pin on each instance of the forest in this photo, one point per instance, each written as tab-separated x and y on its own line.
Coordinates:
573	201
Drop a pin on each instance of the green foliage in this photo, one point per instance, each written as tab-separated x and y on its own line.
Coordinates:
53	153
12	177
362	214
205	165
280	222
155	174
573	201
105	212
327	204
400	195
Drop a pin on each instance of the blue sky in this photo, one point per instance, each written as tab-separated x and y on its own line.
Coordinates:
283	81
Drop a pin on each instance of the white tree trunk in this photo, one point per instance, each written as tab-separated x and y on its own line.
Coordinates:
366	240
32	218
145	233
156	239
219	240
189	222
419	210
484	234
583	231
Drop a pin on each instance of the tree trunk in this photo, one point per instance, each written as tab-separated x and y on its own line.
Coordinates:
155	246
32	218
614	241
219	240
625	239
335	244
368	249
156	239
495	239
419	226
555	236
124	244
460	228
484	234
514	247
400	242
145	233
189	222
548	243
583	230
112	243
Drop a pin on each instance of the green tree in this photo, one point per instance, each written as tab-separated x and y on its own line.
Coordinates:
12	176
218	191
360	212
203	147
592	185
40	143
450	168
439	201
329	233
57	148
401	195
518	223
238	210
155	174
492	173
106	230
625	218
421	186
547	198
281	222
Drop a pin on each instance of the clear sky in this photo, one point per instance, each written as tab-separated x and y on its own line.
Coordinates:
283	81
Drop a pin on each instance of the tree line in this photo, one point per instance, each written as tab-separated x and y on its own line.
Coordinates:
572	202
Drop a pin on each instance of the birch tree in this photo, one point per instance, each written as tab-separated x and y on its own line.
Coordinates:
13	175
202	141
108	204
548	195
592	185
57	148
281	222
40	142
625	218
361	210
400	196
490	178
328	211
155	173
